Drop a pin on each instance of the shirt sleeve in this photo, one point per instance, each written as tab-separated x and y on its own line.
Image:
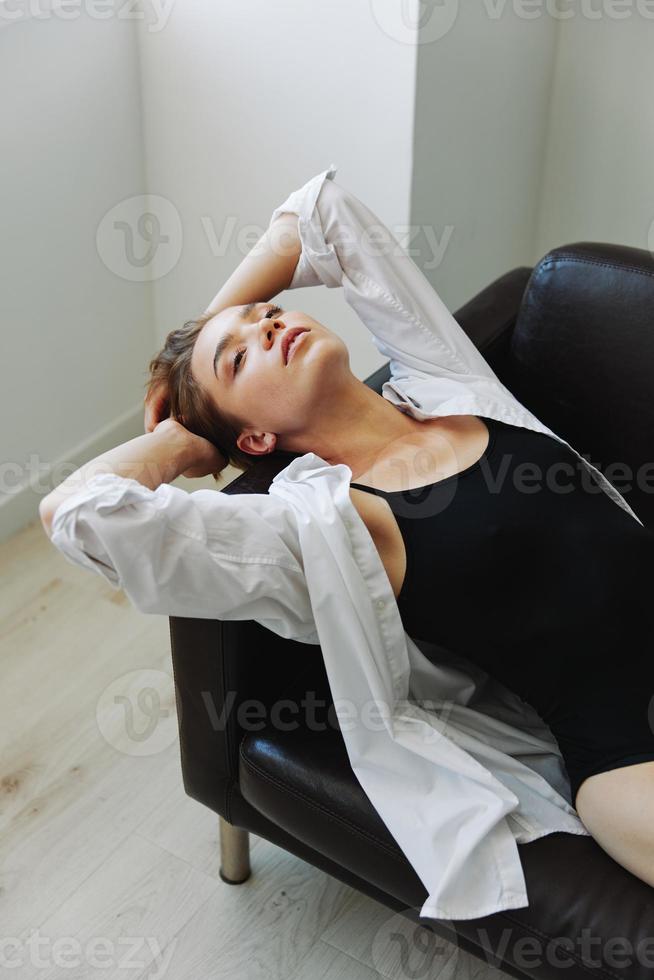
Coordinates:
206	554
345	244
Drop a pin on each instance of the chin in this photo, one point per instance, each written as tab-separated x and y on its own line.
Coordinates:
330	350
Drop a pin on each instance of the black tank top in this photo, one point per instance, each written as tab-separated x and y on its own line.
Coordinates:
523	564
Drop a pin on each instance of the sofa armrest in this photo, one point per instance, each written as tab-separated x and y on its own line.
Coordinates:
230	679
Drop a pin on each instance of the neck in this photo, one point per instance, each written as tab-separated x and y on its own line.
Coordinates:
355	426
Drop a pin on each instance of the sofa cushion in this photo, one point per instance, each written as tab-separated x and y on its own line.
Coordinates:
587	915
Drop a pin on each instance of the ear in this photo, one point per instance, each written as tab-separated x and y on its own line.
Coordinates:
257	443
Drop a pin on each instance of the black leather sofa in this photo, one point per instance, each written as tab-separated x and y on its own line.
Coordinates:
573	339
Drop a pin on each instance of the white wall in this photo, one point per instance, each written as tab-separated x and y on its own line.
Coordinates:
75	335
600	148
236	118
482	95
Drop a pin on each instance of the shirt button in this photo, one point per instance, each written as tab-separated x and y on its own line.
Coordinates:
380	603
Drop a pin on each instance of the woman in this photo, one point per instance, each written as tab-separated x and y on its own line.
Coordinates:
535	587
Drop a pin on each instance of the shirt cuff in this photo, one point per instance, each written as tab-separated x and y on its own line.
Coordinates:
108	489
72	531
318	263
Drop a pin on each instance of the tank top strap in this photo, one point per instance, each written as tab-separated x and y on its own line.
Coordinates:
361	486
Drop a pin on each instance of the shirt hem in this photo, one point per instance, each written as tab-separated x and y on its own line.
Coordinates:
511	900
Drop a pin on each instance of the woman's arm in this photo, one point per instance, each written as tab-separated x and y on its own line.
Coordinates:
205	554
157	457
266	270
344	244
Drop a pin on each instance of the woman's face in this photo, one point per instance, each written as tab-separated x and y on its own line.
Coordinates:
251	381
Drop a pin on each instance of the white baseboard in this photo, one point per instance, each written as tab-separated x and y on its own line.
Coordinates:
20	507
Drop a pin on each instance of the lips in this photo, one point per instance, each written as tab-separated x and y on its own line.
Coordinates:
288	337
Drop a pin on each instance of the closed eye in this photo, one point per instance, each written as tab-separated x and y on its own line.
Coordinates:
238	356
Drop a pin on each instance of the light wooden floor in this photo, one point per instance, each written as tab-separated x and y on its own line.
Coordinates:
105	860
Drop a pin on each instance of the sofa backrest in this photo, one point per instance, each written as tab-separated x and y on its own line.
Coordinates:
581	358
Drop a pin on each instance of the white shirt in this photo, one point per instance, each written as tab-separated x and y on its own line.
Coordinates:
458	767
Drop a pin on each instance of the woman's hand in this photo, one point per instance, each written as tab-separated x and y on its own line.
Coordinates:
203	457
157	406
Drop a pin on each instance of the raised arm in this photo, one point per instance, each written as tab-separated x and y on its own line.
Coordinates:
278	261
266	270
206	554
152	459
345	244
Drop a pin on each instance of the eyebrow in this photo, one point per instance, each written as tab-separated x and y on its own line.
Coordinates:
224	342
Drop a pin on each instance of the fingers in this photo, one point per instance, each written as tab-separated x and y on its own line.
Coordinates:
149	415
156	410
151	418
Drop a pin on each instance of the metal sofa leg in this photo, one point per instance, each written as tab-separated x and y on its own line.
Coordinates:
234	853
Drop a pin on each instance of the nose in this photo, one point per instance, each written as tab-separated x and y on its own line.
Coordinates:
269	328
